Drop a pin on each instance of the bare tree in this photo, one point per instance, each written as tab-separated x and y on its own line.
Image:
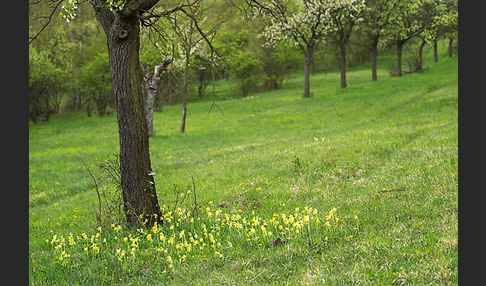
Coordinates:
150	88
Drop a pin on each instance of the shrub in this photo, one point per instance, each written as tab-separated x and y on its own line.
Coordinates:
247	69
95	78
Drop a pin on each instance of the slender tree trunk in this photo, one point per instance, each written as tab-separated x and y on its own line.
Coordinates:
137	179
449	51
374	55
436	55
307	67
184	99
399	58
421	48
342	64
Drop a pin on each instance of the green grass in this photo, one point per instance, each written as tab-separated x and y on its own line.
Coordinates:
385	152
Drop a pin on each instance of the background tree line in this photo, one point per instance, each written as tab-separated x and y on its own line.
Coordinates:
69	68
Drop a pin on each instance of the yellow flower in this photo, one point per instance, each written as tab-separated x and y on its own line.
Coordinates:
171	240
155	228
162	236
149	237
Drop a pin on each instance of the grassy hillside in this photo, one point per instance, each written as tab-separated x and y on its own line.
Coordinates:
383	154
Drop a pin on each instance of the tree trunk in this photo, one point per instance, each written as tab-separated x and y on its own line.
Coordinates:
150	88
399	58
421	48
137	179
436	56
374	55
184	99
342	64
308	61
149	97
449	51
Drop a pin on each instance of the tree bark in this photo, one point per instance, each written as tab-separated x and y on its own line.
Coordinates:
342	64
122	30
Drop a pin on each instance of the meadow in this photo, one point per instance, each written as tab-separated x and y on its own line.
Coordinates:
352	186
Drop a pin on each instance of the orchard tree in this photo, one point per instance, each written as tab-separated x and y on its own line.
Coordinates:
444	23
344	14
376	17
303	24
121	21
409	19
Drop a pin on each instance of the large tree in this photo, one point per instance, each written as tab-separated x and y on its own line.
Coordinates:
122	30
121	22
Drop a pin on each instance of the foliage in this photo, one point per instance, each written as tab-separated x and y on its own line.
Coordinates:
445	22
95	77
409	19
278	62
44	85
247	69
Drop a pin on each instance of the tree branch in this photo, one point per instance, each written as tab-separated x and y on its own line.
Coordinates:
203	34
165	13
103	14
48	21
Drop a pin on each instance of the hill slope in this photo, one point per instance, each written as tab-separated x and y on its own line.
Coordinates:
384	154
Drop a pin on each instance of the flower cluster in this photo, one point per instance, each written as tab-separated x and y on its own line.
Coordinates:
308	21
184	236
69	10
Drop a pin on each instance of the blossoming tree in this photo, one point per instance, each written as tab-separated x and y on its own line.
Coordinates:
344	15
304	23
376	16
